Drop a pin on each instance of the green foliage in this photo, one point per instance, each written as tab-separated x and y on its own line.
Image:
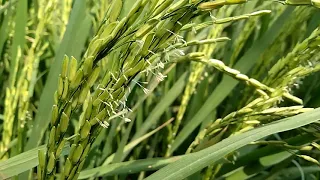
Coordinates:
167	89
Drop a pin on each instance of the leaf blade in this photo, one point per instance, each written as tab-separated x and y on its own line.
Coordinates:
196	161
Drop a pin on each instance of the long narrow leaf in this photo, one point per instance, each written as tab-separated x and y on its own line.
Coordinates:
23	162
129	167
196	161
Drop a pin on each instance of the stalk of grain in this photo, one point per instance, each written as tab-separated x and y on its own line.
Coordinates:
74	87
254	111
197	68
194	77
315	3
143	41
299	15
11	101
304	54
22	88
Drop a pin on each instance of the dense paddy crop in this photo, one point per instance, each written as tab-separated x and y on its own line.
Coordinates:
160	89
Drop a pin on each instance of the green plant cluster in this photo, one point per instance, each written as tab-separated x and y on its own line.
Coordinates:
159	89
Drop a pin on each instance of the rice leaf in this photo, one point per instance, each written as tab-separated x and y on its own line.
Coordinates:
23	162
196	161
128	167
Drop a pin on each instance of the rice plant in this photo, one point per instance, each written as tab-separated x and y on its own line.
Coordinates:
159	89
